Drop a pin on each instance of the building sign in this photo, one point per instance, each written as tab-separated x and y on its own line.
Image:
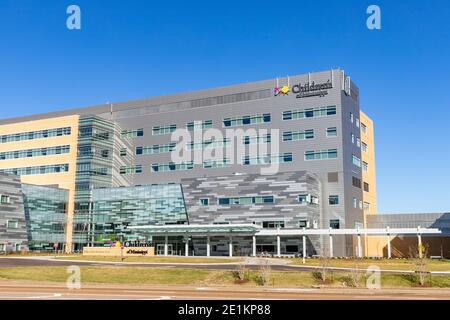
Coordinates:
284	90
312	89
137	243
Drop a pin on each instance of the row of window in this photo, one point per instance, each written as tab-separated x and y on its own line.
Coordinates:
32	135
246	120
155	149
39	152
246	160
245	200
309	113
57	168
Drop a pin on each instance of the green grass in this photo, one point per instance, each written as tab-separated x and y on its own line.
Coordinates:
205	277
386	264
154	259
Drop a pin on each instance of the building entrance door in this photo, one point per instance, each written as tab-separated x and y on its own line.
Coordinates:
159	249
169	250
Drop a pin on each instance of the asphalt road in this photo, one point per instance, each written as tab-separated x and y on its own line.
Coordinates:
18	290
39	262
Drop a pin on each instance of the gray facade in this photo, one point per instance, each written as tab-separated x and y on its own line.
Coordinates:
13	228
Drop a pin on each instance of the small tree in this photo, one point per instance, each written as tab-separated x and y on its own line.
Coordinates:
242	272
420	261
265	271
324	262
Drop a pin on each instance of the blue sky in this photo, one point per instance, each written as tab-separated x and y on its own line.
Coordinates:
134	49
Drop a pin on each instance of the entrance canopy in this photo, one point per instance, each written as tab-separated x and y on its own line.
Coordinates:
200	229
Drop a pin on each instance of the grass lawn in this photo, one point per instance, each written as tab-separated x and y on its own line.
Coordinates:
203	277
154	259
388	264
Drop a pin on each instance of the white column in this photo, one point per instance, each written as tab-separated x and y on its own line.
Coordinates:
419	241
166	242
389	243
208	246
186	247
230	247
278	246
359	246
331	244
254	246
304	249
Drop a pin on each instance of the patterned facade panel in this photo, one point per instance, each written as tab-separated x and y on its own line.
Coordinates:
13	230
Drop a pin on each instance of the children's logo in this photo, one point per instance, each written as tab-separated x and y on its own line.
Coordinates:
281	91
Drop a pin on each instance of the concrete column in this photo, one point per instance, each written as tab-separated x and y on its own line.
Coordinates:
254	246
186	247
359	246
419	241
304	249
278	247
166	242
331	244
388	243
208	247
230	247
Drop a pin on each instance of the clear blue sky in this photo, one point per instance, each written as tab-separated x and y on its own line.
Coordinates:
134	49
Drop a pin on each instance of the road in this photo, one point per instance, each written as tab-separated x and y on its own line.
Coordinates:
48	261
15	290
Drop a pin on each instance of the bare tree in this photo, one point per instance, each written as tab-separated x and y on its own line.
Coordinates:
324	262
242	272
265	271
420	261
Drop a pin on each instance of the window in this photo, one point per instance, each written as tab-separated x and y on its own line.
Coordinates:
363	128
273	224
363	147
207	144
199	125
123	152
167	129
358	142
172	166
131	169
155	149
246	120
204	202
4	199
307	199
2	247
332	132
38	152
303	224
357	122
334	224
267	159
366	206
351	117
365	166
352	138
366	187
355	203
298	135
216	163
356	161
356	182
291	248
333	200
12	224
266	138
360	204
57	168
17	247
321	155
309	113
245	200
35	135
132	133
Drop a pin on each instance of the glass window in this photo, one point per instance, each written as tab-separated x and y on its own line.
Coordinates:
363	128
334	224
273	224
365	166
204	201
363	147
303	224
302	198
12	224
332	132
351	117
355	203
333	200
4	199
